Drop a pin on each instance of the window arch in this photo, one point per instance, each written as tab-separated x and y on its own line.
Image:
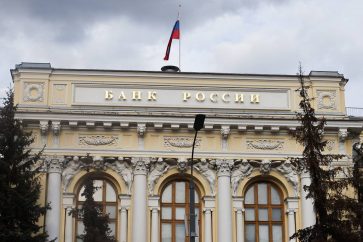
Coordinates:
106	197
264	217
174	210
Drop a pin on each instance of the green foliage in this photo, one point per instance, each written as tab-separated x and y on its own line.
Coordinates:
96	227
19	185
337	214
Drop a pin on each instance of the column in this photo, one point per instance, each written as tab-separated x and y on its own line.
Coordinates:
123	224
208	225
139	212
224	200
68	204
308	213
54	198
125	203
154	225
292	206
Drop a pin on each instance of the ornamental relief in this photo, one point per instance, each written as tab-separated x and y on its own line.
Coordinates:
180	141
97	140
33	92
59	93
265	144
327	100
330	145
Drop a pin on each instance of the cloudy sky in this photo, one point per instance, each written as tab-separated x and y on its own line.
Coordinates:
239	36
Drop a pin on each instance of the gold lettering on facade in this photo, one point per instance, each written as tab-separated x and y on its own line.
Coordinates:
239	98
108	95
255	98
122	96
200	97
186	96
136	95
213	97
225	96
152	96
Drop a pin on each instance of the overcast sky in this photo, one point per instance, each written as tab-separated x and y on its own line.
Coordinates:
239	36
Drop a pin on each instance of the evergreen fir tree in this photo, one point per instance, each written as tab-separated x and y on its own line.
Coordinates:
19	183
338	215
96	227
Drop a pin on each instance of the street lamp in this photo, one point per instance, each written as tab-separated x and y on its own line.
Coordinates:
198	125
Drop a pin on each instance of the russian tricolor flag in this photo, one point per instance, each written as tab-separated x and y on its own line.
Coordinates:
175	34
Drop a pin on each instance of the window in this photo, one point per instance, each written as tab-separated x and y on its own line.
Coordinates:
105	195
264	217
174	210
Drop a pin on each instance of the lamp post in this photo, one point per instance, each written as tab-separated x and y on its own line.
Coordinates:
198	125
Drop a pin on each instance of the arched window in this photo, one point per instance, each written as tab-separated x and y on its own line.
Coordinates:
105	195
264	217
174	210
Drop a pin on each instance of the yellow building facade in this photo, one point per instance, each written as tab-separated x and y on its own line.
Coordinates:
132	132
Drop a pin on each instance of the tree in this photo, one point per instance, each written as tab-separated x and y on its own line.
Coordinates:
337	214
96	227
19	181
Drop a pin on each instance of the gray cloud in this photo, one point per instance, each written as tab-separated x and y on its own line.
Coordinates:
248	36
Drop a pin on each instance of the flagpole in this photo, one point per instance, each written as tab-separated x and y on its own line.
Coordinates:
179	36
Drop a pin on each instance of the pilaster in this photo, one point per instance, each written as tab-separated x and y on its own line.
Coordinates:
68	205
125	203
292	206
239	210
154	208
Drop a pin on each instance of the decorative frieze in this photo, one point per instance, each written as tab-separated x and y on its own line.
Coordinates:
265	165
124	170
286	169
158	169
98	140
330	144
224	167
343	134
141	165
70	170
44	126
327	100
265	144
239	172
180	141
225	130
33	92
141	129
55	164
182	164
206	170
59	93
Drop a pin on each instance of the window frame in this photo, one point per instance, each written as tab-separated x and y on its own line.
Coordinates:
256	206
175	204
103	204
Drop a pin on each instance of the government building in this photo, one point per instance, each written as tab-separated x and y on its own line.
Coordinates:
132	132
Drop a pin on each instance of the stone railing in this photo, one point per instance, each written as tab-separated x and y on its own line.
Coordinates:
354	112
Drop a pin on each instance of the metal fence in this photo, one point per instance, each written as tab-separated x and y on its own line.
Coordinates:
354	112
